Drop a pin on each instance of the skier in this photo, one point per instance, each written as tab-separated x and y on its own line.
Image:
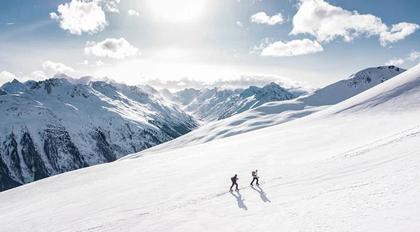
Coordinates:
234	179
255	177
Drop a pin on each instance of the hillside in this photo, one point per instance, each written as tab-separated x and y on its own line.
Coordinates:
351	167
58	125
277	112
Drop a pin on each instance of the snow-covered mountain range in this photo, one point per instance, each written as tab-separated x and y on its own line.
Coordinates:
353	166
58	125
63	124
277	112
215	104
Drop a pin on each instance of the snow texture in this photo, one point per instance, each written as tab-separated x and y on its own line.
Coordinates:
353	166
277	112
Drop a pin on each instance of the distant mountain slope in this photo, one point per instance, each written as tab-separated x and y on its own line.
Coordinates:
351	167
277	112
215	104
54	126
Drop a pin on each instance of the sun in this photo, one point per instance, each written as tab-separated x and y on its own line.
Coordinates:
177	10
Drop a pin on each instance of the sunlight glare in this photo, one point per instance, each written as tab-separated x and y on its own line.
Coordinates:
177	10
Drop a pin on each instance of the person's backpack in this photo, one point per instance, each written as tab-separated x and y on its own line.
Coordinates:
254	174
233	179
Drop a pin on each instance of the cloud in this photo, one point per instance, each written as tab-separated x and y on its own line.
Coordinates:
51	68
48	69
412	57
398	32
112	48
395	61
132	12
109	5
38	75
291	48
263	18
327	22
80	16
239	24
6	76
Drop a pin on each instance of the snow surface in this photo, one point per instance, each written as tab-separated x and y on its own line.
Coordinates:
354	166
277	112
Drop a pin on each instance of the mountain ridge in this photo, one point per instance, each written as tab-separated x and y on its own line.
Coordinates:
216	103
54	126
278	112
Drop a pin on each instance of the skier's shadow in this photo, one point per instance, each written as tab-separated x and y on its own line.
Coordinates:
239	199
263	195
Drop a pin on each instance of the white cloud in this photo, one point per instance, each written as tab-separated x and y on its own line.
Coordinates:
109	5
291	48
112	48
327	22
239	24
80	16
263	18
38	75
6	76
132	12
398	32
51	68
395	61
413	56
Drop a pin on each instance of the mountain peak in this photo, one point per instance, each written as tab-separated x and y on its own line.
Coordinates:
273	89
14	86
374	74
15	81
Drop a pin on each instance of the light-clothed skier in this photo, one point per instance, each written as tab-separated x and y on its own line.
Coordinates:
255	177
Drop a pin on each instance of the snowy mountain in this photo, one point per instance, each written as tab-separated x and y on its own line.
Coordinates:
215	104
14	87
355	84
277	112
353	166
58	125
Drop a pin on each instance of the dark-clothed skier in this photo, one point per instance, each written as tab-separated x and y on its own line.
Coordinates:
255	177
234	179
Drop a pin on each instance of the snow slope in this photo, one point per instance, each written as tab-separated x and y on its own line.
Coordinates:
277	112
351	167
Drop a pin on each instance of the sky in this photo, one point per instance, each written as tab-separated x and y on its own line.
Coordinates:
183	43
